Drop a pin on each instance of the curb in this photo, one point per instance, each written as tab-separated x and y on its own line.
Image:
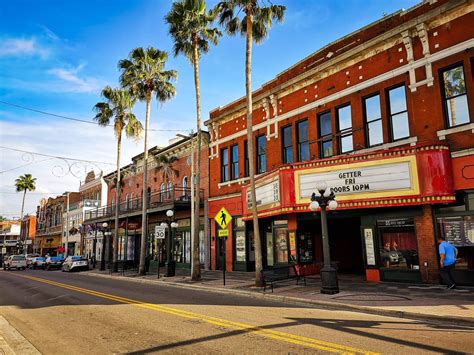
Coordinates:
302	301
12	342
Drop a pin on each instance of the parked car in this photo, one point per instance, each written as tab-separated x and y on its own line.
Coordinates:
53	262
37	263
75	263
15	262
30	258
391	256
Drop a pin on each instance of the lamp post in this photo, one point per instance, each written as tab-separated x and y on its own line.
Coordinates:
102	253
170	264
325	198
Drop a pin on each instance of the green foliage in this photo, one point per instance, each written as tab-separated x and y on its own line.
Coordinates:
143	73
25	183
118	106
165	166
190	23
233	14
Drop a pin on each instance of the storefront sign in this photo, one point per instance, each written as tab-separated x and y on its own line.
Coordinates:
11	243
402	222
4	250
396	177
369	246
267	195
240	246
459	231
292	238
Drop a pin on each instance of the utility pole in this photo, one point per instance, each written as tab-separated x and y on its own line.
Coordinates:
67	225
192	201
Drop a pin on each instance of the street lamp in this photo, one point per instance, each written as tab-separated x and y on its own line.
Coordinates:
324	199
102	254
170	264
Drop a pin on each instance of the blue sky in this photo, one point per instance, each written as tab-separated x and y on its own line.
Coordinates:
56	56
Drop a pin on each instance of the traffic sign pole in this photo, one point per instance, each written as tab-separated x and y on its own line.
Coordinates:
223	259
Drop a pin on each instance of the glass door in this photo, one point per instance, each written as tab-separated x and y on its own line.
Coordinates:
269	245
281	245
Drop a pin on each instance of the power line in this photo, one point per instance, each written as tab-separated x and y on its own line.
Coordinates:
31	193
77	119
57	157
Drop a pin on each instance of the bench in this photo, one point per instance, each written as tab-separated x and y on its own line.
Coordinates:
279	274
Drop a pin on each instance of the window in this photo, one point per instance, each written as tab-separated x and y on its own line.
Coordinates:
170	189
224	165
130	201
373	120
455	97
246	159
344	128
162	192
185	183
303	141
325	134
287	145
127	201
398	114
234	155
261	155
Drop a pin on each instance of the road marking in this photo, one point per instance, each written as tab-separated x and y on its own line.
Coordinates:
267	333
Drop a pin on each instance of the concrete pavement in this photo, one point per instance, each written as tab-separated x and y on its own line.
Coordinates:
76	314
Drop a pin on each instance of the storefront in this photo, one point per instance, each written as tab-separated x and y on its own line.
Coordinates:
383	226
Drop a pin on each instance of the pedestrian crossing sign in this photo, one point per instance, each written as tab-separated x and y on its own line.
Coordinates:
223	218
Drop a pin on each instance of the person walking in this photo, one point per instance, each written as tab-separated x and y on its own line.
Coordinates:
448	254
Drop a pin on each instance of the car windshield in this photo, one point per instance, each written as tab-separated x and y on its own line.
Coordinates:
39	259
18	257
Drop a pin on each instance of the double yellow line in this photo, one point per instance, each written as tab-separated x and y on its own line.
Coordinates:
267	333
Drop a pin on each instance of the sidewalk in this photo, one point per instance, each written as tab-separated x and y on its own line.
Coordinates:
12	342
427	302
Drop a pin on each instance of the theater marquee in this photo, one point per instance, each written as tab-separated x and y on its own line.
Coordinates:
365	180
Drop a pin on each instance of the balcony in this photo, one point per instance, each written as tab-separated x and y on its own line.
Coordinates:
170	198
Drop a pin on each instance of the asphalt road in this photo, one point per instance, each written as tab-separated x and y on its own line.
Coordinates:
75	313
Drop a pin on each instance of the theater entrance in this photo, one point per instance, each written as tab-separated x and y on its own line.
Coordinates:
344	242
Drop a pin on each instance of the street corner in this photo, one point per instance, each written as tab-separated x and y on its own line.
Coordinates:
13	342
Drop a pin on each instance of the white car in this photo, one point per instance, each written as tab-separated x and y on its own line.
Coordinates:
75	263
37	263
30	258
15	262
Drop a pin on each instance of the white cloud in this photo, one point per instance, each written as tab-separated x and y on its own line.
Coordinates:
73	83
21	47
59	138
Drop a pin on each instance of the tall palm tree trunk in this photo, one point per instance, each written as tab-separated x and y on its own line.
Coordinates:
196	272
141	270
118	188
248	91
23	204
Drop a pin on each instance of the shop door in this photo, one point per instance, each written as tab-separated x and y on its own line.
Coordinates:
220	242
281	246
269	248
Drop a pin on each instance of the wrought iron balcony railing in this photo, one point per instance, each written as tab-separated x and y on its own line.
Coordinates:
175	194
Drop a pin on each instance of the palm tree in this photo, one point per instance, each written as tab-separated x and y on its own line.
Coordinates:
250	18
165	167
454	85
118	105
25	183
191	29
143	74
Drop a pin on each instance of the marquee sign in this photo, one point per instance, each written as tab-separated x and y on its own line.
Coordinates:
373	179
267	195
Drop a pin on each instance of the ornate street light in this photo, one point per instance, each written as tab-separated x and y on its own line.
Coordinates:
170	264
322	200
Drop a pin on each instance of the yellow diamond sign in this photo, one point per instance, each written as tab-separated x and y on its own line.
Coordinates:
223	218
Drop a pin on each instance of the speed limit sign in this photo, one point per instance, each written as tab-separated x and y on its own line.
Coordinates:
160	232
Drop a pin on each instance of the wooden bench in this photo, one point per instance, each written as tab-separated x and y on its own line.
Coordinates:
279	274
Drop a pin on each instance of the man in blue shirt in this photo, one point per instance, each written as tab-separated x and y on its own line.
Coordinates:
448	254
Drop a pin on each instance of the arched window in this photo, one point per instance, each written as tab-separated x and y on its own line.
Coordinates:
170	189
162	192
127	200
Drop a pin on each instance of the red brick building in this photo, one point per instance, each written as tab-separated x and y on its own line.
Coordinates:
169	188
385	116
28	231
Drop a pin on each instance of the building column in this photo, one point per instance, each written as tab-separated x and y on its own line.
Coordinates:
425	235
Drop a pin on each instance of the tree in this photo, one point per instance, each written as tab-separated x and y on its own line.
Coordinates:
191	28
143	74
252	20
454	85
118	106
25	183
165	167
